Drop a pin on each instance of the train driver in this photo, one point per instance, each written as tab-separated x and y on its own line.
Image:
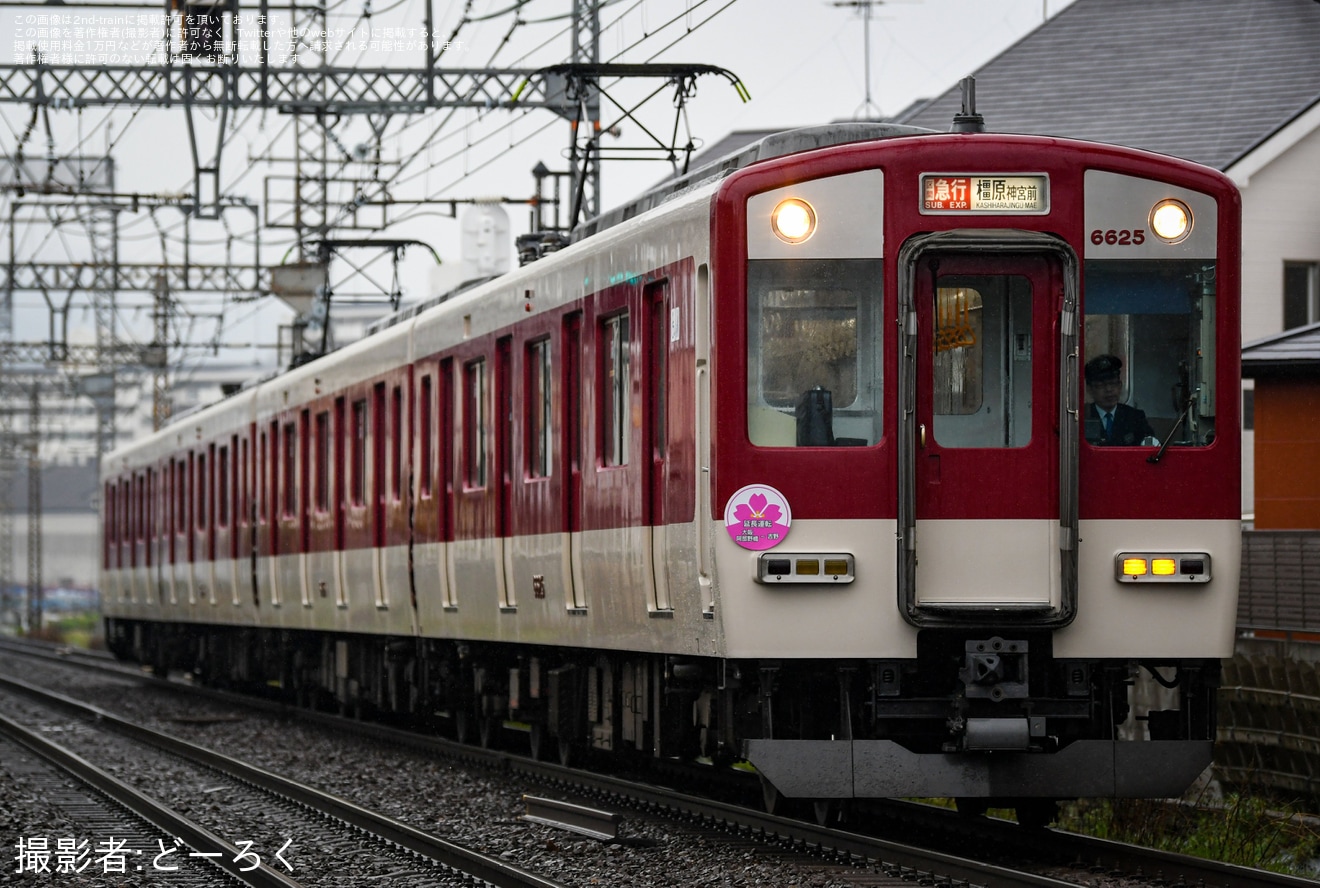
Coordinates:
1106	420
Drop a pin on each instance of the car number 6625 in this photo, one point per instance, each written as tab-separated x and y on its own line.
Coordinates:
1121	237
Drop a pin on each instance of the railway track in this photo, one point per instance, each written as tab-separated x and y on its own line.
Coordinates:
1059	858
336	835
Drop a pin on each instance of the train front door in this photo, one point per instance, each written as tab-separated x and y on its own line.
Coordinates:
990	424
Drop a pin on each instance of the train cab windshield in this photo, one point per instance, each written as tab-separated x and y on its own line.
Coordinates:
813	353
1149	363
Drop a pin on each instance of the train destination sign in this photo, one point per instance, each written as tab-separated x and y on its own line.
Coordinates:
984	193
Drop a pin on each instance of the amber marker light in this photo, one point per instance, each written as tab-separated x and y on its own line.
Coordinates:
836	567
1163	567
1134	567
1171	220
793	221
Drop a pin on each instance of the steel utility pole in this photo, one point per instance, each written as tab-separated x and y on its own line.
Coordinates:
35	595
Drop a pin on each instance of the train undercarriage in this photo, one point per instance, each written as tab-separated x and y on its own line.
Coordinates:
990	718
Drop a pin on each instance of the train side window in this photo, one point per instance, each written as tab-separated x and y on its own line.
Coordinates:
474	423
181	497
615	390
538	409
322	492
358	454
1149	340
243	481
396	448
222	487
424	437
199	491
136	522
259	482
290	487
814	352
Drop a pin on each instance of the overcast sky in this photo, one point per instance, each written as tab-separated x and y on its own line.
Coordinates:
802	61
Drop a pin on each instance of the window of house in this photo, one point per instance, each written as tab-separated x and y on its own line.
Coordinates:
1301	294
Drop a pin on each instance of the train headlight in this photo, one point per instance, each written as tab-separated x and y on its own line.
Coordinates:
1171	220
793	221
1162	567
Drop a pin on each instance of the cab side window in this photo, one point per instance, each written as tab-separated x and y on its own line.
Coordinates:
1149	353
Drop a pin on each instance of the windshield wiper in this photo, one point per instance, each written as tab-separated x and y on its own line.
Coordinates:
1187	408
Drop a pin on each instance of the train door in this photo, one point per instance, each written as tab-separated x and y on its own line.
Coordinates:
340	498
988	512
304	507
504	468
223	570
656	299
379	493
196	524
394	555
571	401
181	545
139	524
245	567
446	454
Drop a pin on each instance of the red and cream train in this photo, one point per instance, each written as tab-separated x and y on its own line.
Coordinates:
788	463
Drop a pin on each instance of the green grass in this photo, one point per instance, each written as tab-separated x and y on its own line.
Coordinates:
1241	830
76	629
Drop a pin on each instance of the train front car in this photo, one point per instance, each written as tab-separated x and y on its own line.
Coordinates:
944	569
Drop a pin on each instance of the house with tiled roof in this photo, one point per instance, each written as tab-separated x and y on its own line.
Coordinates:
1286	370
1234	85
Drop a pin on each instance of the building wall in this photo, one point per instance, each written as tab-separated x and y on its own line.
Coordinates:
70	549
1280	222
1287	454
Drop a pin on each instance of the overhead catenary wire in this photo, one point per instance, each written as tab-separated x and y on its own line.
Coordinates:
399	172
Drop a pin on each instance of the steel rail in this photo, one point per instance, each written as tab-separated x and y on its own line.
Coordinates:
1077	847
158	815
479	866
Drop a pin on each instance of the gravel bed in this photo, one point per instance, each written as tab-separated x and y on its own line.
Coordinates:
473	806
312	849
469	806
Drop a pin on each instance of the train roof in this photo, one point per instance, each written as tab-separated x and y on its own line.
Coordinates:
774	145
